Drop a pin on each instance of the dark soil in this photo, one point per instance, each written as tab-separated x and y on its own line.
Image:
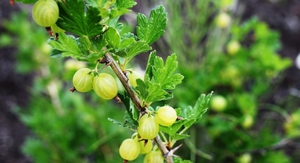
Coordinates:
12	93
282	16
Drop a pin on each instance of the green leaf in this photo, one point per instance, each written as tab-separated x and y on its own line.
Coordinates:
73	18
125	4
135	48
159	79
113	37
179	160
133	113
274	156
180	136
120	123
164	74
26	1
55	53
172	130
122	7
151	92
201	105
193	114
152	29
66	45
142	89
129	47
5	40
156	93
84	45
96	51
149	73
189	122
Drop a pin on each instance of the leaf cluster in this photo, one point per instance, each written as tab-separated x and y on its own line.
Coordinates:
160	79
95	32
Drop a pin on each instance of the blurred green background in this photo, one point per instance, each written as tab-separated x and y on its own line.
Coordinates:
235	48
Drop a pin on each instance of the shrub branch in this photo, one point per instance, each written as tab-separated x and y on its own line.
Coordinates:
124	80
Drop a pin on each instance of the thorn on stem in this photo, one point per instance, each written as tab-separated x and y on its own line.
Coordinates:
172	151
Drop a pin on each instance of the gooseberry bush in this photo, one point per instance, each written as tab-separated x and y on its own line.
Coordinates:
91	32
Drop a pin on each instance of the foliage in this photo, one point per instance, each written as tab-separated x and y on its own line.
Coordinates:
242	76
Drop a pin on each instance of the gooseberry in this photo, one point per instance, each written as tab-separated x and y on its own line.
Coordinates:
223	20
154	157
146	146
166	116
83	80
105	86
218	103
129	149
148	127
133	76
233	47
45	12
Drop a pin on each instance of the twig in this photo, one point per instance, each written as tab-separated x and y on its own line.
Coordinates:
124	80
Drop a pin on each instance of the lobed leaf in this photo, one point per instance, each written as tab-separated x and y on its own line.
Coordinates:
152	29
164	74
66	45
73	18
199	108
159	79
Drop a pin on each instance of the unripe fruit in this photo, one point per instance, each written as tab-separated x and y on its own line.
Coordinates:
133	75
45	12
154	157
145	148
223	20
105	86
148	128
72	64
166	116
233	47
83	80
244	158
248	121
218	103
129	149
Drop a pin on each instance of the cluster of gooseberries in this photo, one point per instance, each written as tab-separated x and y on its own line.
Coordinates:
141	142
104	85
